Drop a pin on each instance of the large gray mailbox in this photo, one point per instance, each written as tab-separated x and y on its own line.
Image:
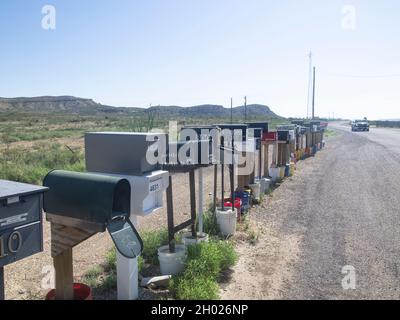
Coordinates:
20	223
120	152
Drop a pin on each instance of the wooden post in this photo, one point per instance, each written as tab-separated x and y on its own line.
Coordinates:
266	159
66	233
64	275
2	295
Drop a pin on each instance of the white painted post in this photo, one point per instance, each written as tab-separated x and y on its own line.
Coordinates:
128	274
201	201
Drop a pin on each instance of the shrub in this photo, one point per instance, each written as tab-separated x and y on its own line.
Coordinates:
204	264
199	288
152	240
210	225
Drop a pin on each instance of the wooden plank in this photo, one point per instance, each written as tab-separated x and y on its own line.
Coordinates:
266	159
73	222
66	237
64	275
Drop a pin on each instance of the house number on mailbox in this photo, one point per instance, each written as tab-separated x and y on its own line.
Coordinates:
14	243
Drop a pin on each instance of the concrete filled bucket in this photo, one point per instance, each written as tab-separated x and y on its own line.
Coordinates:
226	219
188	239
172	262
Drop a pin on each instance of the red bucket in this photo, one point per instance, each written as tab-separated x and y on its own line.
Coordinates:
81	292
237	205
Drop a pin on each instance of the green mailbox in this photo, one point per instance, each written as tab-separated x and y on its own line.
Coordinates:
95	198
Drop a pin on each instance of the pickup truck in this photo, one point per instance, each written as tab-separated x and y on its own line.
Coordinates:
360	125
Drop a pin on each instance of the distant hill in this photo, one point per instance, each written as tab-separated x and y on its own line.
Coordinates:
80	106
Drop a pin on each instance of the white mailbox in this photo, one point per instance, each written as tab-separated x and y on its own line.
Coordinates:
147	196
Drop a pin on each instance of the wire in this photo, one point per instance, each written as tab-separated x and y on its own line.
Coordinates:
364	76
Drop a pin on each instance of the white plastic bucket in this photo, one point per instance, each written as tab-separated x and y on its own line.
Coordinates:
265	185
274	173
282	172
226	220
188	239
256	189
172	263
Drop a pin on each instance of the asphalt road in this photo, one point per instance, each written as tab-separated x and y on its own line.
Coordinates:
345	208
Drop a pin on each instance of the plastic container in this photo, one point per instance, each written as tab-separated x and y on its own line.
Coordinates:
287	170
81	292
274	173
292	168
265	184
226	220
237	205
256	190
245	198
172	263
188	239
282	172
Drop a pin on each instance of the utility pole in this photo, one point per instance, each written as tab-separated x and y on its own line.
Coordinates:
231	110
309	83
313	97
245	108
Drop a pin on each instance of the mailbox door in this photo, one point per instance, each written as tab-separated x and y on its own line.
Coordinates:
20	242
22	211
125	237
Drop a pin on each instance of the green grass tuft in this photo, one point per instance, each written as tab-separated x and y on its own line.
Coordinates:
204	264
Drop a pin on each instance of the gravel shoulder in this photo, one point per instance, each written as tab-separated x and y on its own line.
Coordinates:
341	208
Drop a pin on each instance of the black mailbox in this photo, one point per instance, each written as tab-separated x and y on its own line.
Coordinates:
283	135
203	133
103	200
259	128
298	122
315	123
20	221
304	130
201	157
236	128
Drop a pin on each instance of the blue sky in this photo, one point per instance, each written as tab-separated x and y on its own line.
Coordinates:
188	52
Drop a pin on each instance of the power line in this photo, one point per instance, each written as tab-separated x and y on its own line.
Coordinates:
363	76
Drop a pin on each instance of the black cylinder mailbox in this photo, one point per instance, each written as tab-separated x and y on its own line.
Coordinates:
102	200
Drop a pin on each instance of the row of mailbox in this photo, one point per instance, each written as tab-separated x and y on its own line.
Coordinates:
121	182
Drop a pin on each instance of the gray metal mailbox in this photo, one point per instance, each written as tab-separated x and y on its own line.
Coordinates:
120	152
102	200
21	232
20	221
